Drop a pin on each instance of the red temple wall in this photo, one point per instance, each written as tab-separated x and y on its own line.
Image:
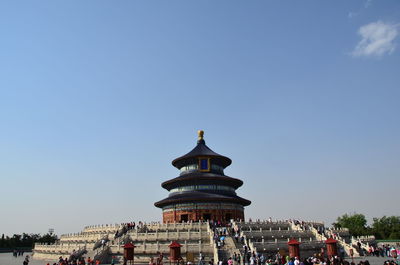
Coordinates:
196	215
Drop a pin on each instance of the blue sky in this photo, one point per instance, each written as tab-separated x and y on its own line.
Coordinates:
98	97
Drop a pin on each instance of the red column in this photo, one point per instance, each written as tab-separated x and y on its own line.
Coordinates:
294	248
331	247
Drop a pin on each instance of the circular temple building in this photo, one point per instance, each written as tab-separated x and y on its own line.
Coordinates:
202	191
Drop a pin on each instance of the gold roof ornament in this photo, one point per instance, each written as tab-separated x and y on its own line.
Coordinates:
200	134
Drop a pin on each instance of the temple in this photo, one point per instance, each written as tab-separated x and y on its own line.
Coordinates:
202	192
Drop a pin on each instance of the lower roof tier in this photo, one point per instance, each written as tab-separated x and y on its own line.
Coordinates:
199	196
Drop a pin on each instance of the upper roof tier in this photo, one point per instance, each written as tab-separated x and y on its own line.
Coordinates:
201	150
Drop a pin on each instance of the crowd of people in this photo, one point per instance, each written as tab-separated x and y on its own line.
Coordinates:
254	259
17	253
383	251
159	260
80	261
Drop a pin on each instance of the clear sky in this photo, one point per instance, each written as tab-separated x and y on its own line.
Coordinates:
98	97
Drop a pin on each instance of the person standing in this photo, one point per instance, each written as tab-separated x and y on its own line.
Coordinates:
296	261
201	258
26	261
278	258
252	260
230	261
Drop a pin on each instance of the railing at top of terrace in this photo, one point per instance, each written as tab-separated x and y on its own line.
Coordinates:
112	228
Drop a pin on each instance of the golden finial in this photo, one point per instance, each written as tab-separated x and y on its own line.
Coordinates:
201	134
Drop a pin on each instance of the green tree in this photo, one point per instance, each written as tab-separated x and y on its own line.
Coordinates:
25	240
386	227
356	223
47	238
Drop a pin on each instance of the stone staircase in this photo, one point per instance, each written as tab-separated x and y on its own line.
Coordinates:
228	250
102	254
341	242
268	238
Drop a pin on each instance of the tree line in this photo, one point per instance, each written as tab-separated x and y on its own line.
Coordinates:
386	227
25	240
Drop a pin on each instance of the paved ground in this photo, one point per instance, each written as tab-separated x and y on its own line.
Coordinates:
8	259
372	260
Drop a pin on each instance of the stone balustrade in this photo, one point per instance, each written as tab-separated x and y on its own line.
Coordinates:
149	226
136	236
144	247
60	248
282	233
261	247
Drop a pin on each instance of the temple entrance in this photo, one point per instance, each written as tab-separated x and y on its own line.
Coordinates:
184	218
228	217
206	216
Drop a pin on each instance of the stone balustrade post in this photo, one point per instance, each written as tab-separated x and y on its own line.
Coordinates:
200	248
279	228
276	241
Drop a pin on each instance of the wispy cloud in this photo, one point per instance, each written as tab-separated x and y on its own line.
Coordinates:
368	3
352	14
377	39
